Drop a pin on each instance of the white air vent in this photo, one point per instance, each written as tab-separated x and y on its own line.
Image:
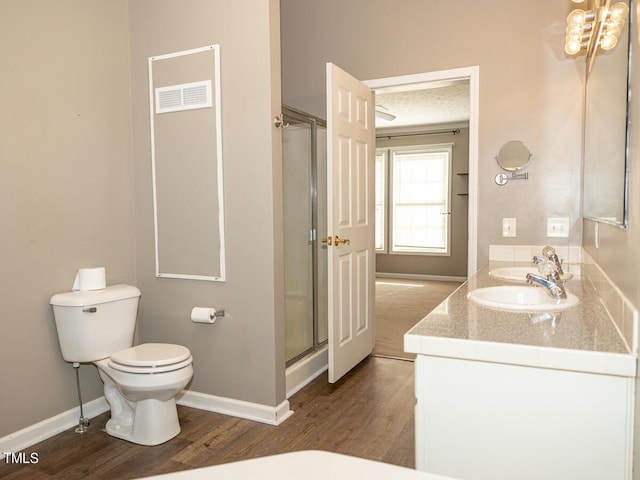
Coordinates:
187	96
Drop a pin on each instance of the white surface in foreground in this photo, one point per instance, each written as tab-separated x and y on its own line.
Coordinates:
308	464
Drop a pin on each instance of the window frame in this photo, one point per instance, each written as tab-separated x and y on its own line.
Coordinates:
385	200
390	232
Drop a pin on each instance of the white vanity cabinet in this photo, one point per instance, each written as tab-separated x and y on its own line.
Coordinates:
480	420
504	396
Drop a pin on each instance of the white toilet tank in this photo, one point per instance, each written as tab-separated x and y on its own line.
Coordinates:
94	324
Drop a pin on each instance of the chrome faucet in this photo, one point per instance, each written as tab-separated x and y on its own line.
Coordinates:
549	253
551	269
555	287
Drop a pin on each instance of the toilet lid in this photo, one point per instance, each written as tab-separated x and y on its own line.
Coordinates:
151	357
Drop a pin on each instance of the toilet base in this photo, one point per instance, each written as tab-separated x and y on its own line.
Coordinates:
143	406
153	422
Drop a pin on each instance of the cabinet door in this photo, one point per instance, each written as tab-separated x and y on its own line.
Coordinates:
487	421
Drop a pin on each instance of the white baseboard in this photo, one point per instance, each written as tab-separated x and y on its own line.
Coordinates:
22	439
237	408
417	276
304	371
17	441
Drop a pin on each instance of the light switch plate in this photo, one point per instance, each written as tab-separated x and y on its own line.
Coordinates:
508	227
558	227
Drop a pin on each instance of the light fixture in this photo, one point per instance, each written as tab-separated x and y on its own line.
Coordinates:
588	30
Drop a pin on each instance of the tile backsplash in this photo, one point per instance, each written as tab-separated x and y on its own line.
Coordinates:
622	312
525	253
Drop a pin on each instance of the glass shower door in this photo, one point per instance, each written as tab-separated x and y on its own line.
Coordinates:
298	238
304	158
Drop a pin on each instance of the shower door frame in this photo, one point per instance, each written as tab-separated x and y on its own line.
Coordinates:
294	115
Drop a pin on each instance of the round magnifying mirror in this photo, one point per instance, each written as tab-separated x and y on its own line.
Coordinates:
513	156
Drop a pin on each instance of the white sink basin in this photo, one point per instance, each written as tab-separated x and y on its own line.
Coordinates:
521	298
519	274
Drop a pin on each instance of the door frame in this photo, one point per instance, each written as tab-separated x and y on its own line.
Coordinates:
473	75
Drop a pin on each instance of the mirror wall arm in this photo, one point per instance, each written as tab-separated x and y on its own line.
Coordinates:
502	178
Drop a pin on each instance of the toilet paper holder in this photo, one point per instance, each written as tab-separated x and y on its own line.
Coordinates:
206	314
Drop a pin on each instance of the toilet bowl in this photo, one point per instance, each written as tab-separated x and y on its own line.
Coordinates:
140	383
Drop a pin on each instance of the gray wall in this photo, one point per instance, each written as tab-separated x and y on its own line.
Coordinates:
66	186
75	190
529	91
438	265
241	356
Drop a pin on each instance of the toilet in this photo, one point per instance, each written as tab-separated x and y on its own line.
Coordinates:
140	383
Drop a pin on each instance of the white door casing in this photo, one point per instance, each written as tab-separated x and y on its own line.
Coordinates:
350	211
405	82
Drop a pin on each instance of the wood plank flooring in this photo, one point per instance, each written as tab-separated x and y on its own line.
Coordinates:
368	413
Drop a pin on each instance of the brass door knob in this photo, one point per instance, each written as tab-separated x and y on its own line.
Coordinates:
337	240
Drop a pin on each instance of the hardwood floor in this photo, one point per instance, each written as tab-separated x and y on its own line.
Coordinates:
368	413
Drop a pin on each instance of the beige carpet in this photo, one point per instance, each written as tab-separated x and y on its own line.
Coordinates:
400	304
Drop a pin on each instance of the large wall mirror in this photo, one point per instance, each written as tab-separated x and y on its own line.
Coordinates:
606	131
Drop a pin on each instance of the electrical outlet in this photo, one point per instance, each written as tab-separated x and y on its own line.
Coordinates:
558	227
508	227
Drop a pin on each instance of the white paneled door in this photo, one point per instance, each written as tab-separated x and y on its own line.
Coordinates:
350	211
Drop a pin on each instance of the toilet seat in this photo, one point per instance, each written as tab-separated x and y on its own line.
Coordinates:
151	358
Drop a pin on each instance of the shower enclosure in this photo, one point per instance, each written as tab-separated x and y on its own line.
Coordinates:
304	177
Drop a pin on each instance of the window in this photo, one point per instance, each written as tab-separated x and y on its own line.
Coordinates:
418	200
381	204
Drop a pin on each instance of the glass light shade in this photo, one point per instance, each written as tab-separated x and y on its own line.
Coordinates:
573	38
572	46
614	27
574	30
619	10
577	17
608	41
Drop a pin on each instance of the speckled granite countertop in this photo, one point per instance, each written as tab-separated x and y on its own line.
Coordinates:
581	338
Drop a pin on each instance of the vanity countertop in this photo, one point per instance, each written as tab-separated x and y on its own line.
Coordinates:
582	338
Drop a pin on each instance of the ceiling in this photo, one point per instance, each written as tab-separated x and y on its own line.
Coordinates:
427	104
